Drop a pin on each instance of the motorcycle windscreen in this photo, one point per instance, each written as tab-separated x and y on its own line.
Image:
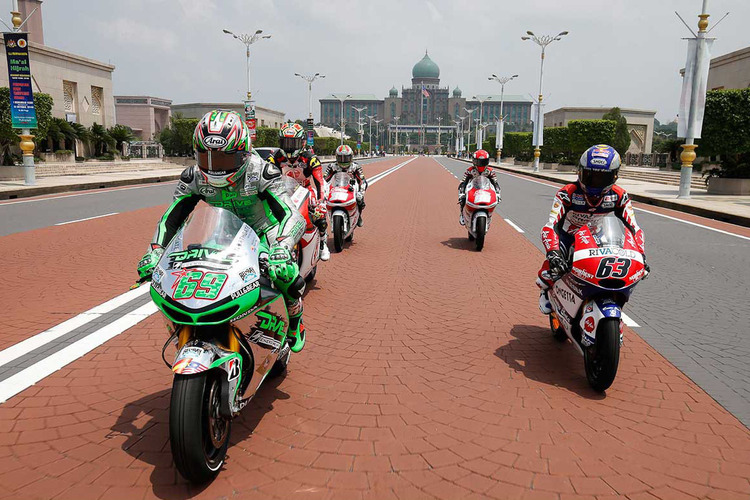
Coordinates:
480	182
341	179
213	256
608	231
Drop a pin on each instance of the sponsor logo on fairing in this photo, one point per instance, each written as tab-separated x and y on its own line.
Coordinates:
589	308
233	369
248	274
249	288
581	273
157	275
584	238
565	295
620	252
637	275
588	325
258	337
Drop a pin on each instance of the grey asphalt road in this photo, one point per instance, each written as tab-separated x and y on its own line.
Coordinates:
693	308
33	213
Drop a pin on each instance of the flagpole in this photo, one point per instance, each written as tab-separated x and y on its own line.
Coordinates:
421	119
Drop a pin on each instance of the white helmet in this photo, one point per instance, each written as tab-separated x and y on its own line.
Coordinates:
344	155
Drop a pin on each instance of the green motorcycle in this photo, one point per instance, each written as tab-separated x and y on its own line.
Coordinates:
229	325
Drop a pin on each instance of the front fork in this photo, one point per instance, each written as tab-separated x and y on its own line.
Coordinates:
594	310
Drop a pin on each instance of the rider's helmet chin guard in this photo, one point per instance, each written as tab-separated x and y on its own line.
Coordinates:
597	171
344	156
221	143
481	159
292	138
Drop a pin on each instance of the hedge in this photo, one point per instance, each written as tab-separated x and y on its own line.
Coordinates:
726	123
582	134
556	148
518	145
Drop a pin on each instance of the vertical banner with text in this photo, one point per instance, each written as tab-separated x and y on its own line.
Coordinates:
22	111
310	132
250	119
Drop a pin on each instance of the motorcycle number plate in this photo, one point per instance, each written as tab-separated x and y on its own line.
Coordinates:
482	197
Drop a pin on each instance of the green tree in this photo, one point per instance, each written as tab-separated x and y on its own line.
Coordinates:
177	138
726	131
9	136
582	134
60	134
121	133
101	140
621	140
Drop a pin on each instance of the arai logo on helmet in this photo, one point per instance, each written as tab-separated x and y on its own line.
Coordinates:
215	141
598	161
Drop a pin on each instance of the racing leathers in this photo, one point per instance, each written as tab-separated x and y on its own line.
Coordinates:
570	211
308	171
470	174
355	170
259	200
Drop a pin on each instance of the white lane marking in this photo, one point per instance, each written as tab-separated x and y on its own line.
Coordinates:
98	191
693	223
389	171
57	331
86	218
629	321
36	372
510	222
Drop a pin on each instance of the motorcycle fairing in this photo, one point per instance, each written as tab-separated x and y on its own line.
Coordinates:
594	310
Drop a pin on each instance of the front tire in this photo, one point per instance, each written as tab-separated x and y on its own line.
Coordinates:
602	358
198	435
338	233
312	274
481	231
279	367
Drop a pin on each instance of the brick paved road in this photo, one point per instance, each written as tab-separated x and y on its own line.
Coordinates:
429	373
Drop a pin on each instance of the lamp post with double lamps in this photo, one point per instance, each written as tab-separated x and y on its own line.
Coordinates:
341	98
542	41
377	131
439	146
468	129
457	135
309	79
480	135
370	118
502	81
396	119
360	131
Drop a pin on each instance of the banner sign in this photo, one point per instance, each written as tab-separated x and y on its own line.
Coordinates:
22	111
250	119
694	83
310	133
359	145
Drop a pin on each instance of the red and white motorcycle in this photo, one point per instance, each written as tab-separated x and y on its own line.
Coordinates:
481	200
342	208
587	301
308	248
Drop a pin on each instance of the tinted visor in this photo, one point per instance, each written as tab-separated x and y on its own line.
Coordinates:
292	144
481	162
598	179
344	160
219	161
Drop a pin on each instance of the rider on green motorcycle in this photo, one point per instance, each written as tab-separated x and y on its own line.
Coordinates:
229	175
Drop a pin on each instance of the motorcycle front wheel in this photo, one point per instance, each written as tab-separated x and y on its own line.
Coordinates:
198	435
481	231
338	233
602	358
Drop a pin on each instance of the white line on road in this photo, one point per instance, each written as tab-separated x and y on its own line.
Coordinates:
389	171
57	331
86	218
694	224
98	191
629	321
514	226
36	372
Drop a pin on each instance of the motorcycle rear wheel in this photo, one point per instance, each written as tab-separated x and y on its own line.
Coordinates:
338	234
481	231
198	435
602	359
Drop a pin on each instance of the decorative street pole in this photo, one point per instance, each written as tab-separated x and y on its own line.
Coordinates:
457	134
461	135
693	99
377	132
468	129
396	119
480	135
360	130
440	146
342	99
542	41
248	40
309	79
370	118
501	123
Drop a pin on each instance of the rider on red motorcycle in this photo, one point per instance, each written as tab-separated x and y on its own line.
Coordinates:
304	166
592	197
344	163
480	160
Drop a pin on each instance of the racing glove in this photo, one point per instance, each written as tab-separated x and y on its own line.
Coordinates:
281	266
148	262
558	266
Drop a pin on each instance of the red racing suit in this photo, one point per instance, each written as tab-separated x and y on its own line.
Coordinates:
571	211
472	172
308	171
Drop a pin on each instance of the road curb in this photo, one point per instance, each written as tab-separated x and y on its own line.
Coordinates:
83	186
739	220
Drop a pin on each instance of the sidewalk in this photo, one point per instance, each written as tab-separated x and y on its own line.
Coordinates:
733	209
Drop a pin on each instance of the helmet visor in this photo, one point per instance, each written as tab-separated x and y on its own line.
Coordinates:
344	160
292	144
481	162
598	179
220	161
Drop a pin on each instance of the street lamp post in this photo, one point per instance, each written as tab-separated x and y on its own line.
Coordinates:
480	135
542	41
359	121
370	118
396	119
309	79
499	140
439	120
470	111
248	40
457	134
342	99
377	131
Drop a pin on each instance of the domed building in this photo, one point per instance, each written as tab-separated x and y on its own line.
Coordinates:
425	111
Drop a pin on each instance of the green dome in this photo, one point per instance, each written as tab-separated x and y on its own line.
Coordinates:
393	92
457	92
425	68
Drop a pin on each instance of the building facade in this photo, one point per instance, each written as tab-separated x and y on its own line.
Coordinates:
640	123
146	115
730	71
81	88
425	104
266	117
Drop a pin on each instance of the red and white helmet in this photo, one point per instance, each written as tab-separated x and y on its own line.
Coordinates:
481	159
344	155
221	142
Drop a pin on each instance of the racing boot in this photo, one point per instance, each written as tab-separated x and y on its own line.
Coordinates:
461	219
325	254
296	333
545	306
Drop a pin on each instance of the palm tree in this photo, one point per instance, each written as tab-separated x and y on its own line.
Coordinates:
101	139
121	133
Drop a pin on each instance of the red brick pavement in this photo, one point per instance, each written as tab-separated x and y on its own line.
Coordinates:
429	373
